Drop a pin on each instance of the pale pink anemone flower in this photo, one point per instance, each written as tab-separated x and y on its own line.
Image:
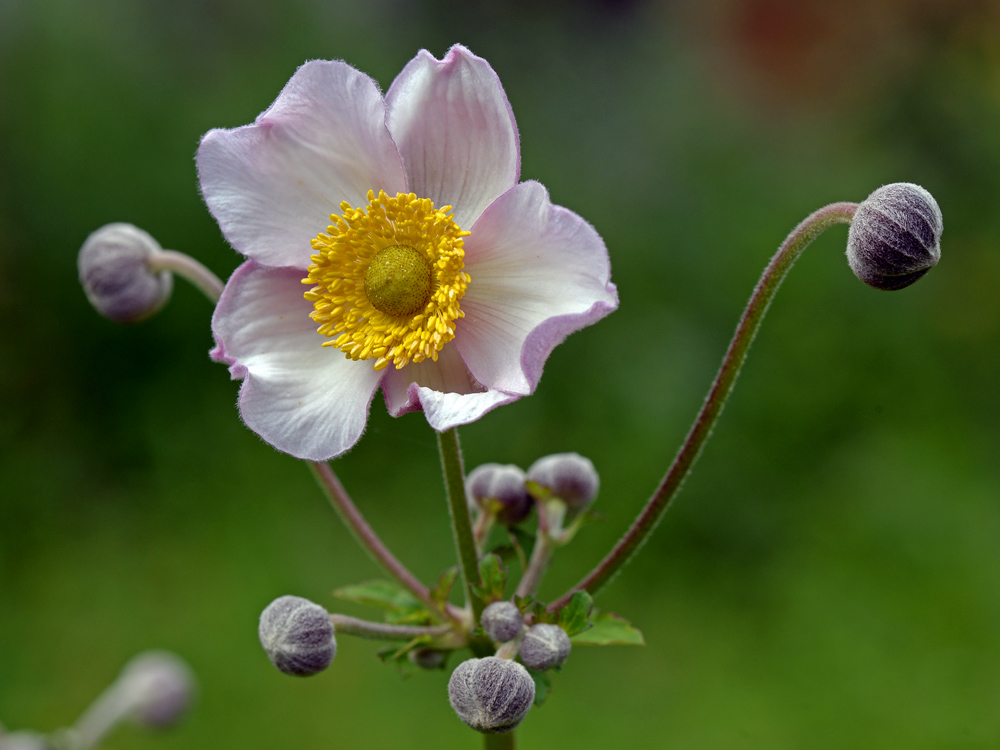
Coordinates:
467	339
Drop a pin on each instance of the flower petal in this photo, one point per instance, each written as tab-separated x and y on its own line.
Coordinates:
444	390
455	130
539	272
302	398
273	185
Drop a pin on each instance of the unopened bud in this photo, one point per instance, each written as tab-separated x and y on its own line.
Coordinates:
159	687
297	636
502	621
427	658
491	695
502	487
568	476
544	646
895	236
115	273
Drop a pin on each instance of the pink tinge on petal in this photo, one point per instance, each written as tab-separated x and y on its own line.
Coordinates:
444	390
273	185
455	130
301	397
539	273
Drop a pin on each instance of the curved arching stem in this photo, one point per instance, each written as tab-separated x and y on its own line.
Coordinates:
770	280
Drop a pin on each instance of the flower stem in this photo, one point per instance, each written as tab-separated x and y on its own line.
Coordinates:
384	631
770	280
368	539
187	267
461	524
503	741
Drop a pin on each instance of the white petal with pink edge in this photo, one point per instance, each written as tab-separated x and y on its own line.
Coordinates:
444	390
539	272
455	130
273	185
301	397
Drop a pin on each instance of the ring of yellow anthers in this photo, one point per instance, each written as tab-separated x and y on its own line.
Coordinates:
388	279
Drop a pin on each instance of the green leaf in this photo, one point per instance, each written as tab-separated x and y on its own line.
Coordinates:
391	654
573	618
400	604
610	629
442	589
493	579
543	686
540	614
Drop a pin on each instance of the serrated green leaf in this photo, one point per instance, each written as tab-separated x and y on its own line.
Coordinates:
442	589
493	579
385	594
543	686
574	617
392	654
610	629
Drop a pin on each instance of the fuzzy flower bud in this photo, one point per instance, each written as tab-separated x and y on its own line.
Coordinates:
159	687
491	695
115	273
895	236
297	636
502	621
501	486
569	476
544	646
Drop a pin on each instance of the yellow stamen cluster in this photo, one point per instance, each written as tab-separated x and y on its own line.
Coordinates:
371	292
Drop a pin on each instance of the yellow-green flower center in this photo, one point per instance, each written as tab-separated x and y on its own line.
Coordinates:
387	280
399	280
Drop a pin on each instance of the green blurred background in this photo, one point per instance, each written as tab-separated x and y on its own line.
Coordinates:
830	576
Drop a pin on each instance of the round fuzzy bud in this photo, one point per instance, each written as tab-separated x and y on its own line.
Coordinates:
427	658
895	236
502	485
544	646
297	636
159	687
502	621
569	476
114	271
491	695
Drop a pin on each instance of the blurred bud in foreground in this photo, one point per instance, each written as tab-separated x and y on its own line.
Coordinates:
895	236
491	695
544	646
115	273
158	686
23	741
297	636
501	486
502	621
568	476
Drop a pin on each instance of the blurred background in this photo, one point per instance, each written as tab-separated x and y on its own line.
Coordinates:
830	576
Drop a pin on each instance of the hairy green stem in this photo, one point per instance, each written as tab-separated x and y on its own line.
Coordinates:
384	631
503	741
774	274
368	539
190	269
461	524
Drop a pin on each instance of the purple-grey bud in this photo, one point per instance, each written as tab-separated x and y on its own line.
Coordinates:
502	621
491	695
895	236
115	273
569	476
159	686
297	636
544	646
502	485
